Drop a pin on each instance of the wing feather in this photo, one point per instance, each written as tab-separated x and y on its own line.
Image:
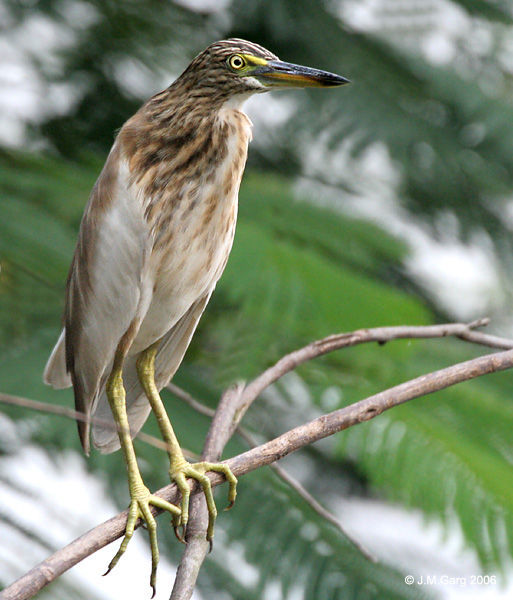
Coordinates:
107	287
55	373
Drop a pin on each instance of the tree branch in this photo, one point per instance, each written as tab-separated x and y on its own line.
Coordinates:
265	454
382	335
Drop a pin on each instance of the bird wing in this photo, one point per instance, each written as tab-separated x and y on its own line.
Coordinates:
169	356
108	285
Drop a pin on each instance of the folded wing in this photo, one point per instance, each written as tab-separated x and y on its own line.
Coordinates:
108	288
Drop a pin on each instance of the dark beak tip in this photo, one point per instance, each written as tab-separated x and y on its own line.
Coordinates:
338	80
326	79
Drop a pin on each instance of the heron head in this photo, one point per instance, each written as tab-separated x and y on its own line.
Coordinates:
236	66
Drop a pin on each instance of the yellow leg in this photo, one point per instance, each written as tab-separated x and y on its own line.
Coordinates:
180	469
140	496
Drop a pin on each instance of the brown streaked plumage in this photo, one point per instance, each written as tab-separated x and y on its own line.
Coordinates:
154	240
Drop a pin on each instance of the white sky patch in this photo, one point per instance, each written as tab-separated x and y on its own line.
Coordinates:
205	5
19	90
505	55
135	78
505	210
463	278
268	110
24	95
361	15
232	554
268	113
79	14
438	48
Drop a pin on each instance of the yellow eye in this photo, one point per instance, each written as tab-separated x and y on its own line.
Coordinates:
236	62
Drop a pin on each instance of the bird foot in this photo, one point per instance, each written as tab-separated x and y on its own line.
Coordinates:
197	471
141	500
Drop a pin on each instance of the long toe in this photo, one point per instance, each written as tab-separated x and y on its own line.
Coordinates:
225	470
197	471
140	508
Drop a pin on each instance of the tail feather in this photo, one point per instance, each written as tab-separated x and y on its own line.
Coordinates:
55	373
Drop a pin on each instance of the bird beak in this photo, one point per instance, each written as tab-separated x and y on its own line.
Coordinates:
276	73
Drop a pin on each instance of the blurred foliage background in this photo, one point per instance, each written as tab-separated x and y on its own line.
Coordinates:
386	202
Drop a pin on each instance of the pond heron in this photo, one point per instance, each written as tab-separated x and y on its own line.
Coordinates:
153	242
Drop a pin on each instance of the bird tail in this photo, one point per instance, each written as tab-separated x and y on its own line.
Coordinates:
55	373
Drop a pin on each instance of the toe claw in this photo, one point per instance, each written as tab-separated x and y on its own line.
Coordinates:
180	536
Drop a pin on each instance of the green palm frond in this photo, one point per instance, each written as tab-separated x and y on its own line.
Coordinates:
286	545
449	455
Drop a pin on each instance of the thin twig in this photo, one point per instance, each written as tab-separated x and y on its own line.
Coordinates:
189	399
484	339
69	413
321	427
381	335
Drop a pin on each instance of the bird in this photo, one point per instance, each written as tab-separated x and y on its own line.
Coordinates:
154	240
